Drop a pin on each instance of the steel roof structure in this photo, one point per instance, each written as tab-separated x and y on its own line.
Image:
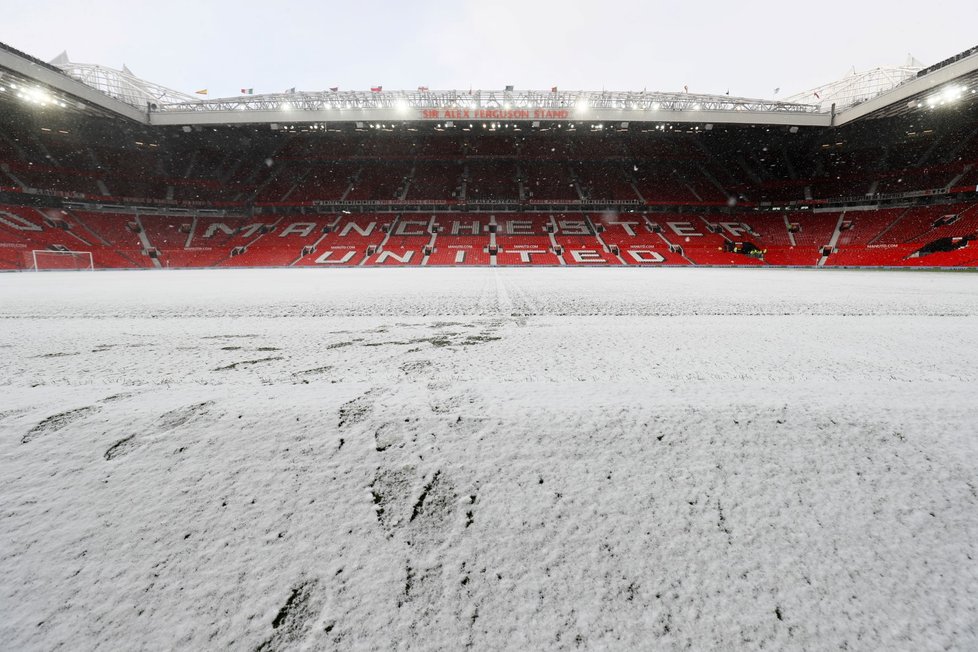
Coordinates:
122	84
452	105
876	93
857	87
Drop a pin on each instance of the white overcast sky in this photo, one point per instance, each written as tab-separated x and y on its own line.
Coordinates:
747	47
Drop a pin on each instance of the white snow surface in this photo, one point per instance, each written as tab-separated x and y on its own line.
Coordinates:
489	459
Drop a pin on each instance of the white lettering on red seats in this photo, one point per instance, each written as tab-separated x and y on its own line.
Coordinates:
402	227
473	227
353	226
18	222
325	258
573	227
587	256
519	227
653	257
251	229
525	254
735	228
683	228
627	226
302	228
384	255
218	226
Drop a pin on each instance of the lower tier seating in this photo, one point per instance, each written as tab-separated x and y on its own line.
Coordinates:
939	236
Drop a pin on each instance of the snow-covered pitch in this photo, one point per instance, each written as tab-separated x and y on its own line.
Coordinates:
489	458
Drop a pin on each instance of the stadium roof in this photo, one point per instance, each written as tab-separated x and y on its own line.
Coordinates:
877	93
950	82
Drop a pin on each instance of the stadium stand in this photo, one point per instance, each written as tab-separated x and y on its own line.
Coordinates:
348	240
525	239
893	237
461	240
899	188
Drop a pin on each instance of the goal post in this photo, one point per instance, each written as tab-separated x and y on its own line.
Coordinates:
48	259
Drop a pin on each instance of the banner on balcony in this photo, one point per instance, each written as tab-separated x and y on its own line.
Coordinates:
496	114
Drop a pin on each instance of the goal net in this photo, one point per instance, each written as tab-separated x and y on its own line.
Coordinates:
46	259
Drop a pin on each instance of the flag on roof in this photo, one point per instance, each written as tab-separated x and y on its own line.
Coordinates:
247	91
202	91
553	89
290	90
685	88
333	89
777	90
817	95
376	89
509	89
423	89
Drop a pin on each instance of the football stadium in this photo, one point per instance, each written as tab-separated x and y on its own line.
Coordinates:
104	170
671	370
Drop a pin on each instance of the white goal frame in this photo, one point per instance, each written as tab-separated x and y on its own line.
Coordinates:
73	254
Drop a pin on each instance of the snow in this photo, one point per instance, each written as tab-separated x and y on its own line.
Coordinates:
489	458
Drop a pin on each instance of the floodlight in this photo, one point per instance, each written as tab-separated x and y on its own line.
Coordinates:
35	95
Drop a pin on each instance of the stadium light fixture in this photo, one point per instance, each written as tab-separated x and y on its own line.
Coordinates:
402	105
35	96
655	106
952	93
581	105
